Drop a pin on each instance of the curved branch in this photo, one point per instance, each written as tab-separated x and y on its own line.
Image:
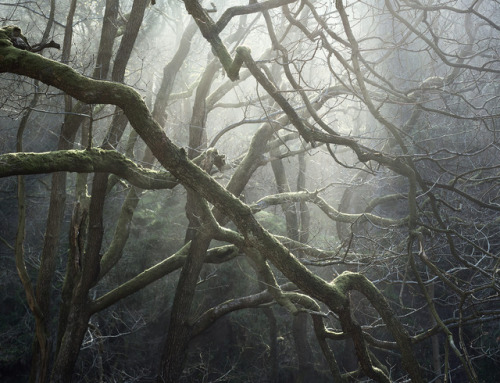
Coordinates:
348	281
169	155
434	47
172	263
331	212
246	10
175	160
85	161
213	314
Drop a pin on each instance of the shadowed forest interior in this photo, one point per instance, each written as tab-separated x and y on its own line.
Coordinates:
262	191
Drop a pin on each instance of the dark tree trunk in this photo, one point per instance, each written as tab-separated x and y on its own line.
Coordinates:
180	330
273	345
198	137
303	349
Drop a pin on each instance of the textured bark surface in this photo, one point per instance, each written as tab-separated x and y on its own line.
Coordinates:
175	160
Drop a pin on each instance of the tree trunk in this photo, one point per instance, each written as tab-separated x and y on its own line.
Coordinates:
198	139
64	364
273	345
180	330
303	349
436	357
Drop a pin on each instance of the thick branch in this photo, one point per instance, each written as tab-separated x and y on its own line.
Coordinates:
85	161
175	160
246	10
331	212
172	263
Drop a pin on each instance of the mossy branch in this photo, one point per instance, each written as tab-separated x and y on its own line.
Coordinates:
85	161
172	263
175	160
94	161
348	281
246	10
330	211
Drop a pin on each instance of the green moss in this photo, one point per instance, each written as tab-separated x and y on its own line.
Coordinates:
4	42
243	51
5	37
233	67
343	281
6	34
8	30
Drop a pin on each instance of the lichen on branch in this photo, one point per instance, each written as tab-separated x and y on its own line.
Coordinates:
174	159
85	161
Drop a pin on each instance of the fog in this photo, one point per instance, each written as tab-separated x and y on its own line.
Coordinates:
272	191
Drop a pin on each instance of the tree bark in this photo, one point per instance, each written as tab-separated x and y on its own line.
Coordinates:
180	330
73	324
175	160
273	345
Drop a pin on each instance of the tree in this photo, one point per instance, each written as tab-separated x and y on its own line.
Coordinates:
385	115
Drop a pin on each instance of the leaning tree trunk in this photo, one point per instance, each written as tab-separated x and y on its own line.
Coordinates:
179	332
299	326
41	354
75	311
